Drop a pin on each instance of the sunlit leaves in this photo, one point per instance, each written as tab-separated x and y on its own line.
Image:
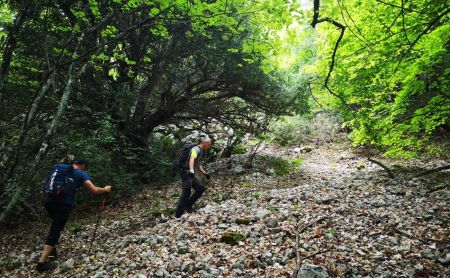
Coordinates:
391	80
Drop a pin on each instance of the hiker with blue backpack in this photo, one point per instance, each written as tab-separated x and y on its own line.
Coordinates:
190	164
63	182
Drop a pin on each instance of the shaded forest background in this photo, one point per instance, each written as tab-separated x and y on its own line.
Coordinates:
121	83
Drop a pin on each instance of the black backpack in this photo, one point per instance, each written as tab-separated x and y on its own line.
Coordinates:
184	157
59	180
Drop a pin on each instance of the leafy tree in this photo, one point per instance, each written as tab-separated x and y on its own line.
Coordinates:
386	71
101	78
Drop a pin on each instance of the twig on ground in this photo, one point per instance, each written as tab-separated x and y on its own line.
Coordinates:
438	188
297	252
312	223
438	169
297	240
391	175
395	229
313	255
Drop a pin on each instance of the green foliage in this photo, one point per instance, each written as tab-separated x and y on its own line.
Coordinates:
296	207
299	129
330	233
257	194
242	221
282	166
239	149
271	208
74	227
232	238
156	212
9	263
391	71
183	250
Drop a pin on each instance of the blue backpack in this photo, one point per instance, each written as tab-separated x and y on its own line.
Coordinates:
59	180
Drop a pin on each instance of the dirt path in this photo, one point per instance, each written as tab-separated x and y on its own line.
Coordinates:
353	221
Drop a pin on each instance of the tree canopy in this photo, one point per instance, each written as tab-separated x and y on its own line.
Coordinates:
386	66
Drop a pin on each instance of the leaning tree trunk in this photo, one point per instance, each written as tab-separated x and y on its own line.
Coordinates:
28	177
9	161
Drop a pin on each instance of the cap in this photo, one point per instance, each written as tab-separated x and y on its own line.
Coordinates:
80	161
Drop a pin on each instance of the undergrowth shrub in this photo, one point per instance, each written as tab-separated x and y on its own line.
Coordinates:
283	166
299	129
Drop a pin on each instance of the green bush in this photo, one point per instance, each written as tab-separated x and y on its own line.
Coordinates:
74	227
232	238
239	149
282	166
295	130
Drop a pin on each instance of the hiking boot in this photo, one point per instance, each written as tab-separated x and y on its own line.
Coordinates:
45	266
53	255
178	213
190	210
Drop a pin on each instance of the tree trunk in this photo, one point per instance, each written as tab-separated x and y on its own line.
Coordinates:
10	46
9	160
143	94
27	179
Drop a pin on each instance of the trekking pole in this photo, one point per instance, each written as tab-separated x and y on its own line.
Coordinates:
100	208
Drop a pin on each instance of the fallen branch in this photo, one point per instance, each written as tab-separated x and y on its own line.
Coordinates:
32	210
297	252
424	241
312	223
395	229
438	188
313	255
442	168
391	175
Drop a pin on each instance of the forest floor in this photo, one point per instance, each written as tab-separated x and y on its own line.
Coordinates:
335	214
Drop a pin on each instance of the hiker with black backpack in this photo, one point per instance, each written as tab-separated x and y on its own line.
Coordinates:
190	164
60	187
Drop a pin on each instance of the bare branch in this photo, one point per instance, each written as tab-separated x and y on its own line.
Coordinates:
316	13
446	167
359	36
396	6
313	97
403	20
334	94
314	254
391	175
317	20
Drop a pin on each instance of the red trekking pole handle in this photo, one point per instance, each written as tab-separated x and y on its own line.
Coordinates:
103	202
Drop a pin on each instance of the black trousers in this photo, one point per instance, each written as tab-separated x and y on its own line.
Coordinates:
187	183
59	213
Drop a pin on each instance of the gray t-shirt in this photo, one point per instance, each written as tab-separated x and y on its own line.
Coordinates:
197	153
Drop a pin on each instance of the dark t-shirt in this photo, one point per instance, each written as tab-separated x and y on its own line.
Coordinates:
79	177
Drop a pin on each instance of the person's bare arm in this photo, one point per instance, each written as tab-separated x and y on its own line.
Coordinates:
200	168
191	164
96	190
